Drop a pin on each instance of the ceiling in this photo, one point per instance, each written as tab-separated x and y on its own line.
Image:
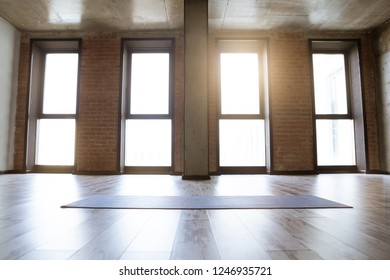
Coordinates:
114	15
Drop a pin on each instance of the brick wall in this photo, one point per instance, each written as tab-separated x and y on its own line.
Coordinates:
291	103
290	91
291	99
21	106
213	106
370	103
382	47
178	157
97	144
98	121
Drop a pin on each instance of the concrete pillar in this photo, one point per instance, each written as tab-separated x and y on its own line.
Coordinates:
9	60
196	90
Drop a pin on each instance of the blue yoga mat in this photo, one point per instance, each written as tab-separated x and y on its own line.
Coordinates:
205	202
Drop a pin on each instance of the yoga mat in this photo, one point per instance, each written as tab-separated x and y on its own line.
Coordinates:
205	202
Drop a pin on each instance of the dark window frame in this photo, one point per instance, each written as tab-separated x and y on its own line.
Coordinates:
39	49
348	115
42	115
350	48
246	45
140	45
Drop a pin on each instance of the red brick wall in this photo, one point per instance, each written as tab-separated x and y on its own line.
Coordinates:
97	143
21	105
291	99
370	103
382	50
98	122
213	106
178	157
291	103
290	91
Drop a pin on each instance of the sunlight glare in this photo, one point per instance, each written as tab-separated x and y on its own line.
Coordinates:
330	84
60	86
148	142
55	142
335	142
239	83
149	83
242	143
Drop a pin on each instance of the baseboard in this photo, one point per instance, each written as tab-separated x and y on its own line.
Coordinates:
196	177
243	170
147	170
4	172
96	173
379	172
176	173
293	172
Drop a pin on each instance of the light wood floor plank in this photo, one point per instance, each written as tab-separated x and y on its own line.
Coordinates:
375	248
233	239
33	226
78	236
156	238
269	234
194	238
112	242
322	243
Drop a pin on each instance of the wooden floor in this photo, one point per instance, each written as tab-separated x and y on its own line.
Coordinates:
33	226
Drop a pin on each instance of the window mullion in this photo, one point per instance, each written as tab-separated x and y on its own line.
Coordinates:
241	116
57	116
149	116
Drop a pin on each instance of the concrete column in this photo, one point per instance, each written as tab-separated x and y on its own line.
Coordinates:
196	154
9	60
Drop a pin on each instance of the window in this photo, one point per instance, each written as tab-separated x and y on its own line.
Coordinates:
149	81
336	133
53	105
148	118
330	85
241	117
334	124
240	83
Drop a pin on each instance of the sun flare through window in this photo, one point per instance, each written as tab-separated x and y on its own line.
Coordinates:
241	118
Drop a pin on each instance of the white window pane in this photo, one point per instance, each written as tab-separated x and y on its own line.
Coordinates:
149	83
240	83
55	142
335	142
148	143
241	143
60	85
330	84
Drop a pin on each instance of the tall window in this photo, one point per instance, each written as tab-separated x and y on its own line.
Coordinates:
241	117
148	124
334	124
333	94
53	104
